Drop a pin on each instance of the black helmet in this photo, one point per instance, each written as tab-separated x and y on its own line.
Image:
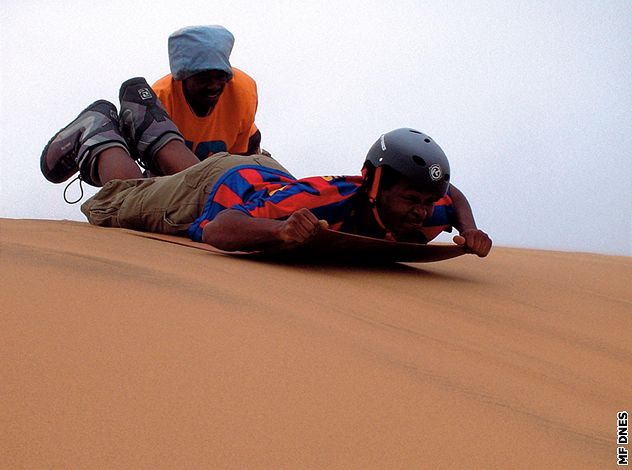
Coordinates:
414	155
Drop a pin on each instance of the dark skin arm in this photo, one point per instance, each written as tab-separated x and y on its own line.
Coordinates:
233	230
475	240
254	144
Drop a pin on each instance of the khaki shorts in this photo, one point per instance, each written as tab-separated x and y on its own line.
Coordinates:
165	204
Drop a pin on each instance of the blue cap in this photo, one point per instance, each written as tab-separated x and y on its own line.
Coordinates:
195	49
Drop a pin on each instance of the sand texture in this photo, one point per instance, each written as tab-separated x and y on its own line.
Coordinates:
121	351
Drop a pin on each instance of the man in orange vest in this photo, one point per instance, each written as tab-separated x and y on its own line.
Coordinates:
212	103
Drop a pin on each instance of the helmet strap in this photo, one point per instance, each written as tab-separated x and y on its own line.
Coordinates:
372	196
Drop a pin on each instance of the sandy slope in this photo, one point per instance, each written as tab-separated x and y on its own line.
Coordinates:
117	351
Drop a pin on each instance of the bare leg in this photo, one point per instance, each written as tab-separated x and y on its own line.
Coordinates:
175	157
115	163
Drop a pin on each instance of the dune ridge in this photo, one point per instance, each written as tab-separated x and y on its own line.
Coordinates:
121	351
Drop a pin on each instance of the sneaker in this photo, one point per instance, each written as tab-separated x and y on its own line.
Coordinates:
75	147
145	123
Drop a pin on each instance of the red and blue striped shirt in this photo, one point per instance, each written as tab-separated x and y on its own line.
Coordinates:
267	193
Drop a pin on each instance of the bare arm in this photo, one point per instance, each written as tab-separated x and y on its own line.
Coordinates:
233	230
254	143
475	240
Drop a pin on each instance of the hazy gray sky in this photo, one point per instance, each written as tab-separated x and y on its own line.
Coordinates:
531	100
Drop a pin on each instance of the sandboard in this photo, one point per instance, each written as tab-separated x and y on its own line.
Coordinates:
332	246
339	246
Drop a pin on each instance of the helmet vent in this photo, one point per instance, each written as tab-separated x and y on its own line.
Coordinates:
414	131
419	161
427	140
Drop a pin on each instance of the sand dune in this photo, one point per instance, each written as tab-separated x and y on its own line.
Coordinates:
119	351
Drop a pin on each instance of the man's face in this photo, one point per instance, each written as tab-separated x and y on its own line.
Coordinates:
403	208
204	89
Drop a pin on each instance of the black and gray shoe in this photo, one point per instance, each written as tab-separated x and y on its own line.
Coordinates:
145	123
75	147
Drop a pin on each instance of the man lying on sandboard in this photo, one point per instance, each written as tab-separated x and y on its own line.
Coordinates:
251	202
